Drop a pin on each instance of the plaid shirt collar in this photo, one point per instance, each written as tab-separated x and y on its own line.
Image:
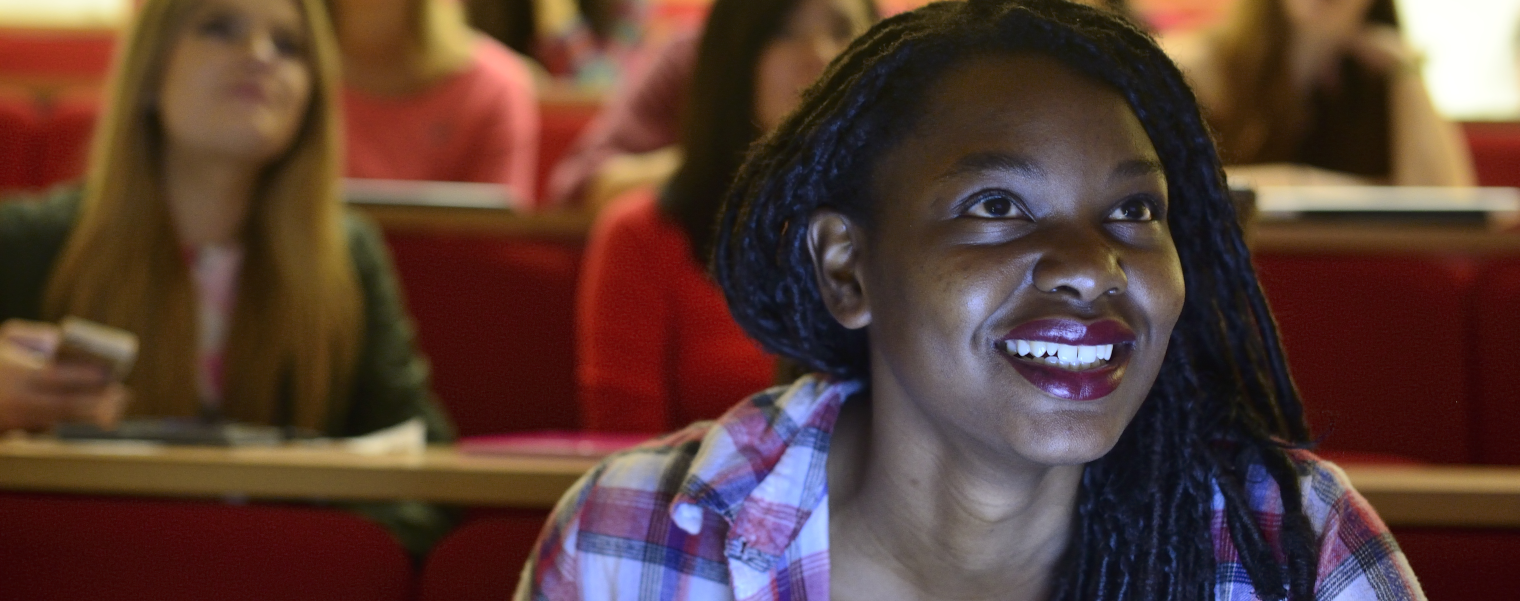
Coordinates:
763	467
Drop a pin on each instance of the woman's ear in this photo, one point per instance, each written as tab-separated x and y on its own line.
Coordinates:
837	246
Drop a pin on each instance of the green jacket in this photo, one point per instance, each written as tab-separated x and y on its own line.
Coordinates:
391	381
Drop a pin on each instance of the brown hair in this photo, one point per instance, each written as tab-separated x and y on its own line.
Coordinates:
295	330
1344	129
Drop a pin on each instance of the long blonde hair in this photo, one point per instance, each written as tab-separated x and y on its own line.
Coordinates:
295	329
444	37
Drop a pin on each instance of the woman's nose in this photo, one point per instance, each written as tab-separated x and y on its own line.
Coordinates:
262	47
1083	268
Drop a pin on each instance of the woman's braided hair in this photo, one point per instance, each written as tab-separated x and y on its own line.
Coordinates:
1223	401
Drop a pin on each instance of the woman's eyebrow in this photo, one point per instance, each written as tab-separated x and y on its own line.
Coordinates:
982	162
1137	168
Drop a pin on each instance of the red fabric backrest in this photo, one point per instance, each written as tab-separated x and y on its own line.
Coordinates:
70	548
1459	563
56	53
1496	152
1496	339
1379	346
65	140
562	124
482	560
495	316
18	143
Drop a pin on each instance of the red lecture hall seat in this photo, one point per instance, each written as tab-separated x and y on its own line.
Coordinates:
495	317
1378	345
56	547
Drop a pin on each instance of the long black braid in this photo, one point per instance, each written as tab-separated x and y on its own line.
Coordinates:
1223	401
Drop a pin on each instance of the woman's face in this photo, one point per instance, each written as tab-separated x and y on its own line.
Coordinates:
1023	217
813	34
237	83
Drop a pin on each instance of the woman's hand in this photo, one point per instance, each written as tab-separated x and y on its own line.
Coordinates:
1382	49
36	393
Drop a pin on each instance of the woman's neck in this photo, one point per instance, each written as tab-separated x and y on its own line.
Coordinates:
208	196
917	514
379	49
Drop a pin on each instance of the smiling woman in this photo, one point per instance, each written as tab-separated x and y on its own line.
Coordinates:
210	224
968	184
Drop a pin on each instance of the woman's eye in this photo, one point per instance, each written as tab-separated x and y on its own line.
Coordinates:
1133	209
288	44
222	27
995	207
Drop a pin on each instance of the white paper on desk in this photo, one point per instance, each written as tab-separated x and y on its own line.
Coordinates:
406	438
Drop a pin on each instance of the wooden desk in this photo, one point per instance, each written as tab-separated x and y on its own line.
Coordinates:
1466	496
1470	496
441	475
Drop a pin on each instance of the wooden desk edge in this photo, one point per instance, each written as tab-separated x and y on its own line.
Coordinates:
441	476
1442	496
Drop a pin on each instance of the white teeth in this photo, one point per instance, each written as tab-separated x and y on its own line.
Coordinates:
1078	357
1087	354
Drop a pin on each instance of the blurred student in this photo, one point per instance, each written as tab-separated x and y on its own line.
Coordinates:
428	98
656	345
632	142
210	224
1320	92
588	43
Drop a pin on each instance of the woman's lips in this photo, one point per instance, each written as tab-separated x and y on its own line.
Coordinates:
1078	362
250	92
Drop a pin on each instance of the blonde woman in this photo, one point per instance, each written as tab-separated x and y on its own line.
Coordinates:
428	98
210	224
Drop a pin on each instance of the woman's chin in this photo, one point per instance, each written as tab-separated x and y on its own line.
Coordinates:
1065	440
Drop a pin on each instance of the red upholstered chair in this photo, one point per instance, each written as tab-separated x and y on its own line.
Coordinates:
482	560
65	140
495	316
1496	336
57	54
1495	151
69	548
562	124
1458	563
1380	348
18	143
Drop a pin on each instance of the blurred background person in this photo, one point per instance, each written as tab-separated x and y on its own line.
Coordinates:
1320	92
428	98
656	346
210	224
588	42
632	142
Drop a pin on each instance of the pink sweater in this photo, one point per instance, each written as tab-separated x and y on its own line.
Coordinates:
480	125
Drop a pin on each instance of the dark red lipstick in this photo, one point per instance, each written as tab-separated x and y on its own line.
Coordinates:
1061	382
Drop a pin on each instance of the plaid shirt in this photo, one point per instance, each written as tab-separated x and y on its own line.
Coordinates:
738	509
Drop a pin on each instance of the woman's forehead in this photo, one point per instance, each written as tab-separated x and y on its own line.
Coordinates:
1029	112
